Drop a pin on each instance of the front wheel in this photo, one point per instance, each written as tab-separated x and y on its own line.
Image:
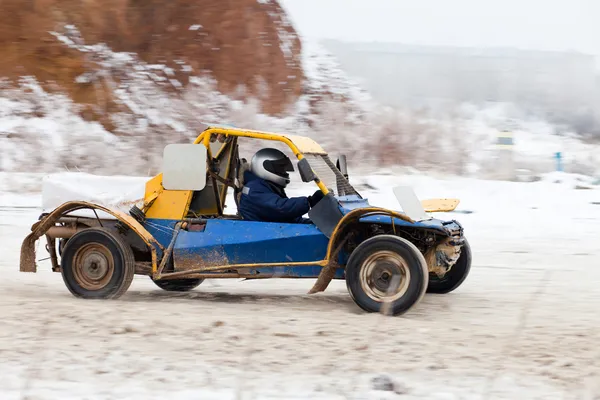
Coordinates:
97	264
178	285
386	273
456	276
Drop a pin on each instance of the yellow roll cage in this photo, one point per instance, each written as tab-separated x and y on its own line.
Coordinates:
160	203
298	144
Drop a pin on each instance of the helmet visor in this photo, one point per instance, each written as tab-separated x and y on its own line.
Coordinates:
279	167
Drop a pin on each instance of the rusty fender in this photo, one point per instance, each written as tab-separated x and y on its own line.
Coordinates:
328	272
27	262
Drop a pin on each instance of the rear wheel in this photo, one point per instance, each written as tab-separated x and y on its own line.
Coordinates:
178	285
97	264
456	276
386	273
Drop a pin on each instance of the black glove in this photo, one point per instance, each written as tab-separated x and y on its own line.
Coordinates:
315	198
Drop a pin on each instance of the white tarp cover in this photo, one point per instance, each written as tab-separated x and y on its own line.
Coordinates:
116	192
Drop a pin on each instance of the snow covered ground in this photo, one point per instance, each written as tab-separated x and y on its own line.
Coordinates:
524	325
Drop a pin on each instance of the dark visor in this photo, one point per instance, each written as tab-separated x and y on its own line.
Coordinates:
279	166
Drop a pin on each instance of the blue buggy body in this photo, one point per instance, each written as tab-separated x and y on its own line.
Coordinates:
235	241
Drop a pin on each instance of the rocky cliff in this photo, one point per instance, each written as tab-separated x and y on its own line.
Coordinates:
247	46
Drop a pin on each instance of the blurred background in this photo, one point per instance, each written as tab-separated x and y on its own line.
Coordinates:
431	85
454	98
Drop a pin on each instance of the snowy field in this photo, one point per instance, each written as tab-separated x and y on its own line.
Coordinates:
525	324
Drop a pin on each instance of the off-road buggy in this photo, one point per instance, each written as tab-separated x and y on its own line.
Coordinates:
178	234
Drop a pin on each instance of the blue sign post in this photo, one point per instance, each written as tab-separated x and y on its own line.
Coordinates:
558	157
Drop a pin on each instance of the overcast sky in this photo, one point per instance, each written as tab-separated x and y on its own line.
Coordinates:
530	24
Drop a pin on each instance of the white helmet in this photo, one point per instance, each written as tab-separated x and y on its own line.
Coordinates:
272	165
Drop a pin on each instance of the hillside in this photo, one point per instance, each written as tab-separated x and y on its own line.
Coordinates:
238	43
103	87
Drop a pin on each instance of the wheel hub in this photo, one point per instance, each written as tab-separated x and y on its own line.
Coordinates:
93	266
385	276
382	276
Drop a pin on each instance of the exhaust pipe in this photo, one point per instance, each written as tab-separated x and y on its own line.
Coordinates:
63	232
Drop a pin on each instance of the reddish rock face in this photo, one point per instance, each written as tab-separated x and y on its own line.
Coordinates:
238	42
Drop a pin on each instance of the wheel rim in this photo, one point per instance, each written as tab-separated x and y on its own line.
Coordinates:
93	266
385	276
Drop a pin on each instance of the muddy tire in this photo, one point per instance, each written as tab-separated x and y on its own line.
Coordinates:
386	270
97	264
455	277
178	285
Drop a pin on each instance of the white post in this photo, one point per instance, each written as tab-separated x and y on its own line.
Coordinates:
505	155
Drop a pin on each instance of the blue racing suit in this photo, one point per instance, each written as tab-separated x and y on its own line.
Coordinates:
264	201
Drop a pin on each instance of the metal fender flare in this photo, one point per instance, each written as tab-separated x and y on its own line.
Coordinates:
328	272
27	262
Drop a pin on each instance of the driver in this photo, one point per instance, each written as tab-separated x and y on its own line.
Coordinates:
263	196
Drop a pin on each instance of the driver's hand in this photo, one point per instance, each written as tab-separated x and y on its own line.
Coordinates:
315	198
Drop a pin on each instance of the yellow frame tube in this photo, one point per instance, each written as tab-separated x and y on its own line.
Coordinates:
223	193
204	138
218	268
